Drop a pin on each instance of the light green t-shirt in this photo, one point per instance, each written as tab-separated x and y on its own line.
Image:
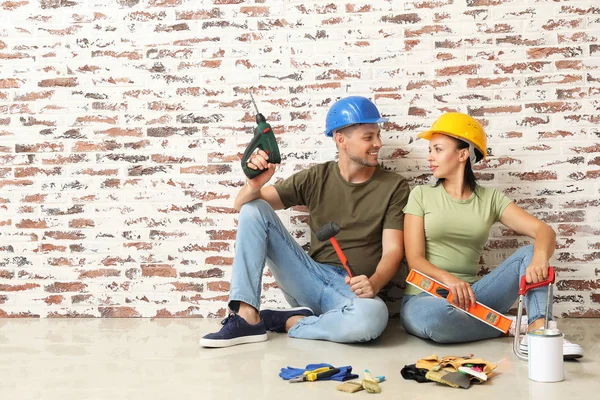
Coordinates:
455	230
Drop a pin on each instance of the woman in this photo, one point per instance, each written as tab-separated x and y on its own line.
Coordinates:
446	228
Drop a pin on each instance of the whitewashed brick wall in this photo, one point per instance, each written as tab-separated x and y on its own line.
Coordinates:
122	123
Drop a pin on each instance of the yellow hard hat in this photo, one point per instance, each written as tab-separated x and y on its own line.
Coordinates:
460	126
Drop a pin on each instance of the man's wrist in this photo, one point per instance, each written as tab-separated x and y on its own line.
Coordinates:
375	283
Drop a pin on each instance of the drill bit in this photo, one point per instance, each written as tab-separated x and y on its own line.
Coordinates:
253	102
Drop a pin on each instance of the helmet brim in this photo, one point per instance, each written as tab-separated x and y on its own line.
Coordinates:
369	121
427	134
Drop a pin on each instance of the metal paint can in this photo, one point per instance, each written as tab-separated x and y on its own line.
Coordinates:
545	348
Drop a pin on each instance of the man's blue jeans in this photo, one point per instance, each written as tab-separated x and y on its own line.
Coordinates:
340	316
434	318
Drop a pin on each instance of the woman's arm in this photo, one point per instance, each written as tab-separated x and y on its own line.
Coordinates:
414	238
517	219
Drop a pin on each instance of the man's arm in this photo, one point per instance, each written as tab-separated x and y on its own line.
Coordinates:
268	194
254	188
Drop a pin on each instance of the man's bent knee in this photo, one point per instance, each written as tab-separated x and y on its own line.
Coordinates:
367	318
254	209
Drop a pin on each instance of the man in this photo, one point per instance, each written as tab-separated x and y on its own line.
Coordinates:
356	193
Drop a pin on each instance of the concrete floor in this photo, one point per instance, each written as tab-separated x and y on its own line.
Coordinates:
161	359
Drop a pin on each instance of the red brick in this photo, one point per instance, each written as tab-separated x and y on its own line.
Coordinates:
172	28
31	224
553	107
209	169
534	204
14	56
558	79
118	312
18	288
99	273
62	287
221	286
578	230
58	82
93	146
11	83
578	176
130	55
190	312
579	285
54	299
187	287
561	216
34	198
255	11
69	235
69	314
535	176
33	171
218	260
118	132
45	4
428	83
428	30
548	52
159	270
527	67
211	273
4	314
5	274
39	148
338	74
581	312
48	248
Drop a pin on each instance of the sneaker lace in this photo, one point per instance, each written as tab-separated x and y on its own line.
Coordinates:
227	319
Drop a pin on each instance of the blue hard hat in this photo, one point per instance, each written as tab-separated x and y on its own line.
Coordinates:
349	111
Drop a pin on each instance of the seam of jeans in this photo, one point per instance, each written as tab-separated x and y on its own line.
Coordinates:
491	281
295	250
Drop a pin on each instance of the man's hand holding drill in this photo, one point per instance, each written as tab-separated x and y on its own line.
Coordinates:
260	161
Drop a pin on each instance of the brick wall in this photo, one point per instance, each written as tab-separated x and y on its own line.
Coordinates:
122	122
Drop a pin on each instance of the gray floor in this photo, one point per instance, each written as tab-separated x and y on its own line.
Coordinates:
161	359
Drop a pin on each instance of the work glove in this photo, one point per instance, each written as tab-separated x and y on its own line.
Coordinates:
344	374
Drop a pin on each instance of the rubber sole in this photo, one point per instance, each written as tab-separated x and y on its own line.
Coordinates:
288	309
572	356
217	343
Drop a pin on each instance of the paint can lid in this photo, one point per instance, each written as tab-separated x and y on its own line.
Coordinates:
553	332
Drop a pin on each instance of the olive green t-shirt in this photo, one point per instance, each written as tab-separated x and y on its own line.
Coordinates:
361	210
455	230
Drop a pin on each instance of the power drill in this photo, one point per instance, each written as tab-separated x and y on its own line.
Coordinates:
263	139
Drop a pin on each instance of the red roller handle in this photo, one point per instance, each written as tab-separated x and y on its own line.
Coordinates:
342	257
524	287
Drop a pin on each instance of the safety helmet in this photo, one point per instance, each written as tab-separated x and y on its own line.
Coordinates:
461	126
349	111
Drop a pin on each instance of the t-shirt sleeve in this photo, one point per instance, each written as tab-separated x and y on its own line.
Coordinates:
394	217
414	206
499	203
294	191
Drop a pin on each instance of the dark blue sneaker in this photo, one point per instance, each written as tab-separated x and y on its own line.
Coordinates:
275	319
235	330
